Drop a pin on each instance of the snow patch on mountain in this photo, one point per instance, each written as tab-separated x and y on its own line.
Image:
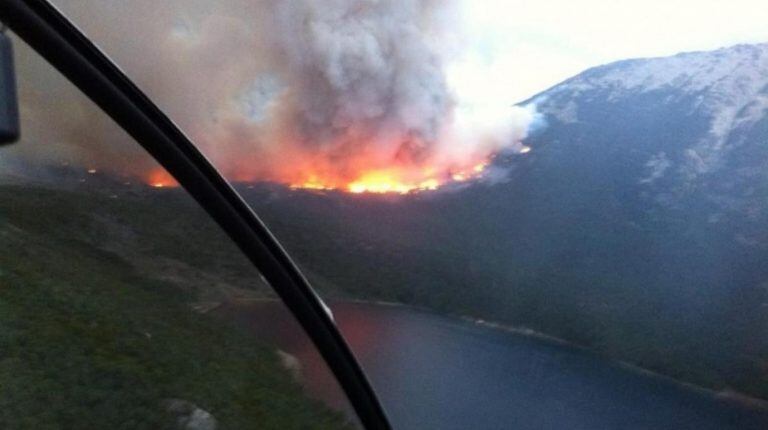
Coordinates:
568	114
689	131
755	110
738	71
727	87
657	166
723	82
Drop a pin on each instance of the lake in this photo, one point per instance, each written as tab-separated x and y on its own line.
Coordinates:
435	372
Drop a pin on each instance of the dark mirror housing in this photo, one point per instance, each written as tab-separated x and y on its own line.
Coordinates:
9	103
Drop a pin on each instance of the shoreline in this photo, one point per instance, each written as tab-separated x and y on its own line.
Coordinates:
725	394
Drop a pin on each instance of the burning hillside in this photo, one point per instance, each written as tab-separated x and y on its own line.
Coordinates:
351	95
160	178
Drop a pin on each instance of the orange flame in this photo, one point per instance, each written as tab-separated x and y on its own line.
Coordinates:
393	180
357	174
160	178
396	180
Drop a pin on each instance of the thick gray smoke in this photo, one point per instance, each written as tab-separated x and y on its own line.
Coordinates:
361	71
292	90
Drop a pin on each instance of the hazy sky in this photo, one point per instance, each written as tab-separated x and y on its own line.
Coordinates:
531	45
521	47
331	64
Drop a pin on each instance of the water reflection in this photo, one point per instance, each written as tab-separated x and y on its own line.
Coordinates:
438	373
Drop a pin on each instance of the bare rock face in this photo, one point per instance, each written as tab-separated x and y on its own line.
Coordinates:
290	363
189	416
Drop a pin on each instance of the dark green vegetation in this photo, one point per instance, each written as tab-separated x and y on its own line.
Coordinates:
678	297
92	336
637	226
631	228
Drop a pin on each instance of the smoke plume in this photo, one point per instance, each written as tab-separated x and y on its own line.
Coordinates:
322	93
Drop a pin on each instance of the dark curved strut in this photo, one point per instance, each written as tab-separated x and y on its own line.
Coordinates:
44	28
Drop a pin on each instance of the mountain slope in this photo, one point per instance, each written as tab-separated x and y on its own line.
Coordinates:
637	226
92	336
695	125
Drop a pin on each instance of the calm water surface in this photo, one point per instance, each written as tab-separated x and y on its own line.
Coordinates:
433	372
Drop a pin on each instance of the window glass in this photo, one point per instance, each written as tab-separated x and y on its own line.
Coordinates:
120	299
543	214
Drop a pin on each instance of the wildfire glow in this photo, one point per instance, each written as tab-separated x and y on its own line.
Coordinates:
395	180
381	183
159	178
361	176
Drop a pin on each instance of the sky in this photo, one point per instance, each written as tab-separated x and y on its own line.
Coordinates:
334	89
524	47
